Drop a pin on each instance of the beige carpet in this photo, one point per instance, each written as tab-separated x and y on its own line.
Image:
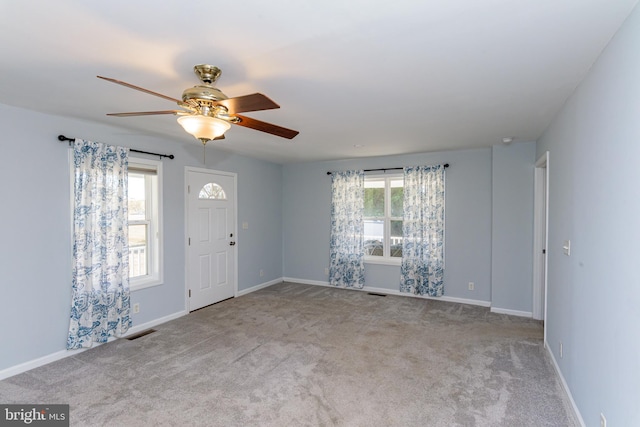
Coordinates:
300	355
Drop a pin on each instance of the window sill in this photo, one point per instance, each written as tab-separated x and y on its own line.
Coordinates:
382	260
147	282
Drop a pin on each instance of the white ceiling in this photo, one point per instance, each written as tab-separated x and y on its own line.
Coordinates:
394	77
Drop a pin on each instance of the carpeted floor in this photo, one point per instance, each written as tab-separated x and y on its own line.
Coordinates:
301	355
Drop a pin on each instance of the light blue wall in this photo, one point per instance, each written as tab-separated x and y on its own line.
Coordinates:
512	219
260	206
594	190
286	209
306	199
35	250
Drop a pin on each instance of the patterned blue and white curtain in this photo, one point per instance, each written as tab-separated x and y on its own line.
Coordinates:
346	266
100	296
422	266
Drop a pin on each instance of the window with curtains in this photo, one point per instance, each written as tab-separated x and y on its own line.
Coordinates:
346	246
144	208
395	219
422	268
100	293
383	199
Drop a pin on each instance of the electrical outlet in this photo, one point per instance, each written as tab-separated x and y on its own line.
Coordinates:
136	308
261	273
472	286
561	352
326	271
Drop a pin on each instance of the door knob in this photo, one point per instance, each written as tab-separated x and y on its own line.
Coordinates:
232	243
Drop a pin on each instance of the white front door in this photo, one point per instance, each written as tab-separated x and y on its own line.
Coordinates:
211	237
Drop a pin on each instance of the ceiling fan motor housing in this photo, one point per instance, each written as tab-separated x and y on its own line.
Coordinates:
208	74
203	92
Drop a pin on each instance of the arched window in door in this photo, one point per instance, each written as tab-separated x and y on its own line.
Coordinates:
212	191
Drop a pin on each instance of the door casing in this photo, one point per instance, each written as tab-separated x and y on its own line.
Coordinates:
541	237
213	173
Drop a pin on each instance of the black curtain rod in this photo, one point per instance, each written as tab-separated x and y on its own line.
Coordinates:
171	156
446	165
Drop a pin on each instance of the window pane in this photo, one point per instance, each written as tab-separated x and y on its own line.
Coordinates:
397	197
137	250
212	191
374	200
396	238
145	239
373	237
137	204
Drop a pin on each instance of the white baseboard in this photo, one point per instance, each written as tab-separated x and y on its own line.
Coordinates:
565	386
392	292
511	312
139	328
307	282
45	360
442	298
35	363
41	361
258	287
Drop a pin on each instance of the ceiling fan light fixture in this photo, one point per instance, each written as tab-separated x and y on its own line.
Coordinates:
207	113
204	128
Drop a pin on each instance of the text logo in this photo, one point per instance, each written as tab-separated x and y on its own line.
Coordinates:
34	415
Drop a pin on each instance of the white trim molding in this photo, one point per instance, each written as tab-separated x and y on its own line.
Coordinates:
541	240
45	360
391	292
510	312
36	363
155	322
306	282
565	386
260	286
234	176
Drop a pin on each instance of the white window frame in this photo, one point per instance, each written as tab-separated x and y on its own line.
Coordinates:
155	270
386	259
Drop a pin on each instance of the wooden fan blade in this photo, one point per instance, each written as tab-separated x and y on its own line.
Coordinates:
141	89
248	122
253	102
145	113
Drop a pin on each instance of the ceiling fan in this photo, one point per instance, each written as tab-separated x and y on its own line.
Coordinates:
207	113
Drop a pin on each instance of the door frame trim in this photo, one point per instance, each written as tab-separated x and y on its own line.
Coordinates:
233	175
540	242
